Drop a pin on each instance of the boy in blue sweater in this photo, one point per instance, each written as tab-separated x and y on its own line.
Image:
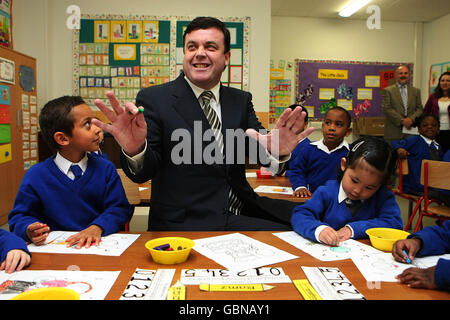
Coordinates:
433	240
318	161
72	190
417	148
357	201
14	254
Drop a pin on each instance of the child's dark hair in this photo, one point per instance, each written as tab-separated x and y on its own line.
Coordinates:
293	106
347	114
423	116
55	117
377	152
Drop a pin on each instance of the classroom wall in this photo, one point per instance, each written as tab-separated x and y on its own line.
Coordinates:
436	48
40	31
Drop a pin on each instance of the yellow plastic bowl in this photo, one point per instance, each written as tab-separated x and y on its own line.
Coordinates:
384	238
53	293
170	257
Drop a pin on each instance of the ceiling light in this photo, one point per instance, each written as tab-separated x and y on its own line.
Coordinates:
352	7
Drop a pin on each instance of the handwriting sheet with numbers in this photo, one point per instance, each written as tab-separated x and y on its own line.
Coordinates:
331	284
223	276
148	285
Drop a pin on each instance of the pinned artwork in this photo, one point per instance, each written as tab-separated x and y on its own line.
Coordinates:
27	78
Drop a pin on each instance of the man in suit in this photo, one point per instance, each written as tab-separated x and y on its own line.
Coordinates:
188	191
401	104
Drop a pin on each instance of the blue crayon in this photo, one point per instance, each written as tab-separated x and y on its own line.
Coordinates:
408	260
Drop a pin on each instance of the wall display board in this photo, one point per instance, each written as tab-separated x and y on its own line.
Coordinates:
353	85
125	53
6	36
435	72
18	124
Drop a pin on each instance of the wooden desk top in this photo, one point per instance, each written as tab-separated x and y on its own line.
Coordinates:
137	256
253	181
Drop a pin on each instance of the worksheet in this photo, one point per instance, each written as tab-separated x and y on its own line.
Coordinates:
91	285
325	252
383	267
112	245
238	252
274	189
223	276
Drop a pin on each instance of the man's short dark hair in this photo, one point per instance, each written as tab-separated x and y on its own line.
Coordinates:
55	117
207	23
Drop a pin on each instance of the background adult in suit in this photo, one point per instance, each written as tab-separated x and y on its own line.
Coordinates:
194	195
400	111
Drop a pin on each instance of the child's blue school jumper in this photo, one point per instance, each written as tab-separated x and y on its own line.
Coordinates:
48	196
312	167
436	241
9	241
419	150
379	211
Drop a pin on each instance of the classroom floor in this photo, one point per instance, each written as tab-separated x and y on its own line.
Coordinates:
139	221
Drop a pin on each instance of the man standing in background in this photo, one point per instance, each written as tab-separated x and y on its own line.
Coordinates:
401	104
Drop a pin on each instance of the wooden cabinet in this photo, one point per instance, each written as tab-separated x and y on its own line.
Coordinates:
22	150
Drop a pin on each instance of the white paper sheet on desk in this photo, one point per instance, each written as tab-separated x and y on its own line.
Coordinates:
383	267
112	245
324	252
274	189
238	252
91	285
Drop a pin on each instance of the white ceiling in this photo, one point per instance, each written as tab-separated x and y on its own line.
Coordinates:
391	10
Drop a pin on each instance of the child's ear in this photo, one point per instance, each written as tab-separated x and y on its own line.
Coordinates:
349	130
61	138
343	163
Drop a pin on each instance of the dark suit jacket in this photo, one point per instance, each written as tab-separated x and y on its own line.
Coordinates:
393	109
195	196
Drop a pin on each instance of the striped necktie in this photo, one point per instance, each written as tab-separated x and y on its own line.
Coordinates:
235	205
434	151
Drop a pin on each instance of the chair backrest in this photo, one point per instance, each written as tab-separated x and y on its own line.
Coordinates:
438	174
131	188
404	166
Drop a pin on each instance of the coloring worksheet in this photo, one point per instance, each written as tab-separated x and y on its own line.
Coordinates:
91	285
238	252
324	252
112	245
383	267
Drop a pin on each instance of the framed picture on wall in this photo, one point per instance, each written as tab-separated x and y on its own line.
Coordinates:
118	31
101	31
134	31
151	32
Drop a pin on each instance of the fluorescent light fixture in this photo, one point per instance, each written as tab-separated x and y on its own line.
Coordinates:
352	7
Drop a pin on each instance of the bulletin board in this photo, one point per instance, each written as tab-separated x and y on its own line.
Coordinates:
435	72
353	85
124	54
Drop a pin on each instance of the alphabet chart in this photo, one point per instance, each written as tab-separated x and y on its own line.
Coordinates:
223	276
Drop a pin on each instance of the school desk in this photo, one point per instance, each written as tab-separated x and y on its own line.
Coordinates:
254	182
137	256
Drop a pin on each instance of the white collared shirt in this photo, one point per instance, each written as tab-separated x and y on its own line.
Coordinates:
429	141
64	165
321	146
215	101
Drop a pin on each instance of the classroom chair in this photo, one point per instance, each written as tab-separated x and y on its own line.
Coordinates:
132	193
435	174
412	198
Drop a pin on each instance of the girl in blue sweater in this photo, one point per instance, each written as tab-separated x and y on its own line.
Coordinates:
56	195
357	201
